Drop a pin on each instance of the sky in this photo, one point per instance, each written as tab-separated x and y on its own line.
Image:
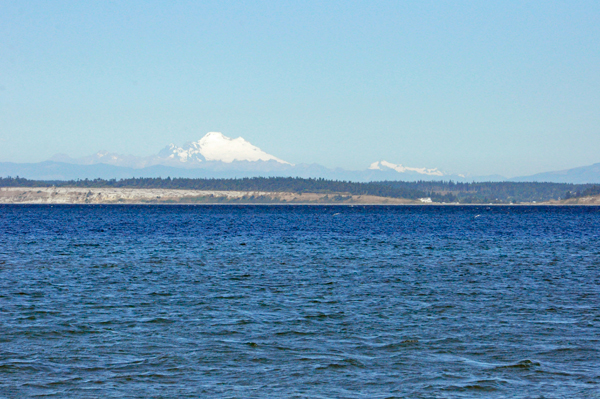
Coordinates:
505	87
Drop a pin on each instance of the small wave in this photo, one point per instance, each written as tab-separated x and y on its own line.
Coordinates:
320	316
523	364
409	341
346	363
228	297
21	367
479	385
240	277
160	294
293	332
161	320
394	346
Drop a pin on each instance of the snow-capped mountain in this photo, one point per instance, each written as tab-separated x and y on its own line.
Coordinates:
215	146
384	170
386	166
216	155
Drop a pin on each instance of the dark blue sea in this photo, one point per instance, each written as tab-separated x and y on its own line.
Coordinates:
299	301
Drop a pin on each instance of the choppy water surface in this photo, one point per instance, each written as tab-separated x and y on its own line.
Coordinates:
299	301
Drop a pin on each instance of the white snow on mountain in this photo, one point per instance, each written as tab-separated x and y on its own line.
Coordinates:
215	146
384	165
218	154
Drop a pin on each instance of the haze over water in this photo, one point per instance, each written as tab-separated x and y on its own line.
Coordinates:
299	301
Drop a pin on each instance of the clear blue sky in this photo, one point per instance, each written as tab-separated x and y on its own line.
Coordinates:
469	87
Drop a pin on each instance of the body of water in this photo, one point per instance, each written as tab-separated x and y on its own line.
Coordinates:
299	301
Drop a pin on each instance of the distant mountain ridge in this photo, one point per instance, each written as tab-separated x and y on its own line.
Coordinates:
385	165
218	156
579	175
213	147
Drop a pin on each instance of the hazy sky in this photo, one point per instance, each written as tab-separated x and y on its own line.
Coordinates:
469	87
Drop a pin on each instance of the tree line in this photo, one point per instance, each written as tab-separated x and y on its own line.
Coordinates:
589	191
438	191
499	192
270	184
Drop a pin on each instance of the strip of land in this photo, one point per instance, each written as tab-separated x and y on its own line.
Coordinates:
78	195
120	195
299	190
589	200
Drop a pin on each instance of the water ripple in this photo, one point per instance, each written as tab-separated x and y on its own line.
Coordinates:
300	302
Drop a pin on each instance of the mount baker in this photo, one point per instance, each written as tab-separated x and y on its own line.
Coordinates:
213	147
218	156
217	150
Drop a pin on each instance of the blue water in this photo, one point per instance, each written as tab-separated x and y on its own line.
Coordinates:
299	301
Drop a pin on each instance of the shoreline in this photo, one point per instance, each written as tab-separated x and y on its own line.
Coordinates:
142	196
294	204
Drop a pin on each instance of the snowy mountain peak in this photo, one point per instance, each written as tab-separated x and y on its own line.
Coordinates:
214	136
215	146
384	165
